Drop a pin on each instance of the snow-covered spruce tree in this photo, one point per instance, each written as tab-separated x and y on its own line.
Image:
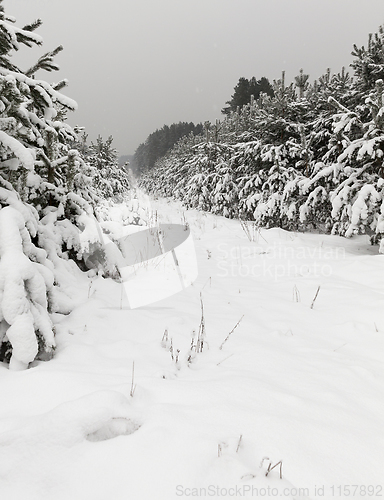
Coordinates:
347	181
358	195
325	145
211	180
246	163
222	185
280	114
368	63
26	278
42	190
279	153
178	167
110	180
306	197
274	176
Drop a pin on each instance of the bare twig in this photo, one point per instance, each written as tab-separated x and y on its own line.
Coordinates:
315	297
165	339
222	361
239	443
229	334
340	347
133	385
259	233
248	476
210	283
296	294
171	350
247	230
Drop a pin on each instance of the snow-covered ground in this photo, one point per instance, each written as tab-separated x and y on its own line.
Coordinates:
295	384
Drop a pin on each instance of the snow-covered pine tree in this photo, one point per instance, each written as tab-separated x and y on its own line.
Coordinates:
358	195
301	82
42	198
368	63
347	181
110	180
26	277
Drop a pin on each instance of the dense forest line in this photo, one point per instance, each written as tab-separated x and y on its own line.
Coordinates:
162	140
159	143
308	156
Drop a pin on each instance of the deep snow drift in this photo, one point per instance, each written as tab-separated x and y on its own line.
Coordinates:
126	410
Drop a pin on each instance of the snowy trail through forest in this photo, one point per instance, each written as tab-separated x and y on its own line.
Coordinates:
290	374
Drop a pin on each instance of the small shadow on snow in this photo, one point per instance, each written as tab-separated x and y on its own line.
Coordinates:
113	428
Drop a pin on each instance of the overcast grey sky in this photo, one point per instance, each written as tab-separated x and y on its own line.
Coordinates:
135	65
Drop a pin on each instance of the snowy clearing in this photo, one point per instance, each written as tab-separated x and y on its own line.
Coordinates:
298	381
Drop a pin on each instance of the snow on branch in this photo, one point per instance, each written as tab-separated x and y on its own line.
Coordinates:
45	62
17	35
23	292
41	86
361	208
25	155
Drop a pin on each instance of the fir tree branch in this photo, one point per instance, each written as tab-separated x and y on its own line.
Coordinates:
45	62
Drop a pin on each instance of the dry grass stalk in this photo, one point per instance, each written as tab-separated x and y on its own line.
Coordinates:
201	334
230	333
271	468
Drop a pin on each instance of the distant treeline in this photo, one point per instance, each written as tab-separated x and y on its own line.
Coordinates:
160	142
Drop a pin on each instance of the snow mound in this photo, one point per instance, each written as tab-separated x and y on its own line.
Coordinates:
98	416
42	454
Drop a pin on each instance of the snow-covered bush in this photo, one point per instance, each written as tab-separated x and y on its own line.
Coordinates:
26	282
